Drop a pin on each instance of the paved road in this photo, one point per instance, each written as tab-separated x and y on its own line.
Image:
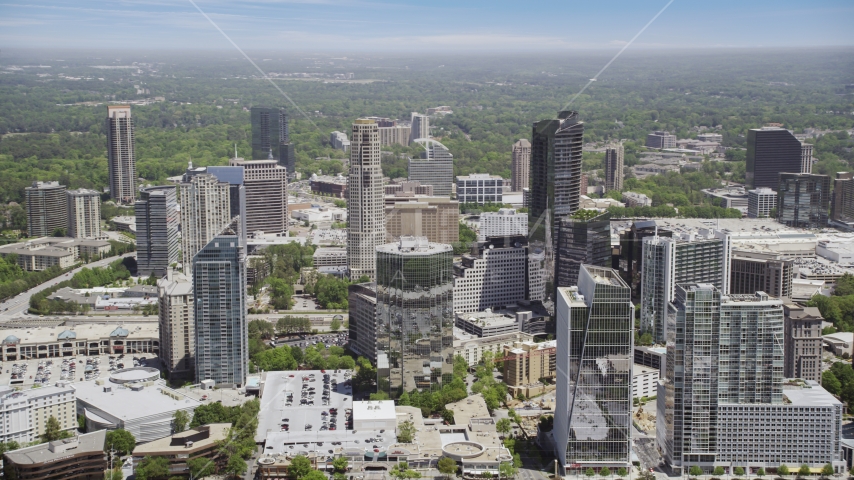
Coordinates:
16	306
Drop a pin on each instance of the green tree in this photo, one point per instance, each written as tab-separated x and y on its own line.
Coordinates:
340	464
236	466
718	471
121	440
114	474
53	431
605	472
738	471
804	470
401	471
315	475
151	468
590	472
830	382
827	470
336	325
180	420
760	472
503	426
406	432
783	470
621	472
844	285
695	471
9	446
299	468
201	467
507	470
447	466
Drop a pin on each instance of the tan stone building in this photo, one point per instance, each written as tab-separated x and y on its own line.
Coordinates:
525	363
803	342
182	447
436	218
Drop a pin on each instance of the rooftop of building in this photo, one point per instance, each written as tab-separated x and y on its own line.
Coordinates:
478	176
187	441
505	315
462	339
807	393
37	335
9	393
520	348
59	449
414	246
83	192
128	404
374	410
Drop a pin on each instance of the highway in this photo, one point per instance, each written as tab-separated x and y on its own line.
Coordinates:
16	306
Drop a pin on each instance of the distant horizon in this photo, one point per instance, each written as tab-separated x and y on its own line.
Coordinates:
384	27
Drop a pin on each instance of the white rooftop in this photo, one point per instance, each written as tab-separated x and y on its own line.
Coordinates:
374	410
124	403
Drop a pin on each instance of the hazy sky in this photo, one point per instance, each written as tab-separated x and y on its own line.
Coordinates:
440	25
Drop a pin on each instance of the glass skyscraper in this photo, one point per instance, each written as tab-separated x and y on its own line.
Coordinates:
219	291
156	230
583	238
595	328
415	315
271	135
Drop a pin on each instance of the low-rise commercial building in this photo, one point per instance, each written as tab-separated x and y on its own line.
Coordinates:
180	448
339	141
323	215
632	199
644	381
472	348
329	185
330	257
81	457
82	340
39	254
480	188
527	316
133	399
761	202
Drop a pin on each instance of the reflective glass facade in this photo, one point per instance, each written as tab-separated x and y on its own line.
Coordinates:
594	360
579	242
415	315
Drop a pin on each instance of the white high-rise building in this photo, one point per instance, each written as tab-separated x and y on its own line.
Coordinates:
177	327
494	275
24	414
503	223
84	213
365	207
594	359
205	211
121	156
420	127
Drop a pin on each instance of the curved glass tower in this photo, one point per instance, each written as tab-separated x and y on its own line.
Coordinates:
415	315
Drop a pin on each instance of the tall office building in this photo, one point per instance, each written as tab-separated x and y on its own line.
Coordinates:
613	168
494	274
205	210
46	209
842	206
770	152
157	241
84	213
593	404
365	215
435	167
436	218
583	238
520	166
219	293
391	133
722	402
121	154
803	200
806	157
271	134
631	251
177	326
555	177
803	344
420	127
503	223
415	317
755	272
668	262
266	190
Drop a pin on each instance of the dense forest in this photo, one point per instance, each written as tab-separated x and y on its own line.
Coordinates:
52	110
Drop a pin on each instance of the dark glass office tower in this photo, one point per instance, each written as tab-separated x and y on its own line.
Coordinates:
803	200
415	317
156	230
555	177
271	133
770	152
583	238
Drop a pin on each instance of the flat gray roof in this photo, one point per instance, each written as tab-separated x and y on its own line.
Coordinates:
126	404
89	442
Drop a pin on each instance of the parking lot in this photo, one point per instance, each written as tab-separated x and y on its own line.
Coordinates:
48	371
331	339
